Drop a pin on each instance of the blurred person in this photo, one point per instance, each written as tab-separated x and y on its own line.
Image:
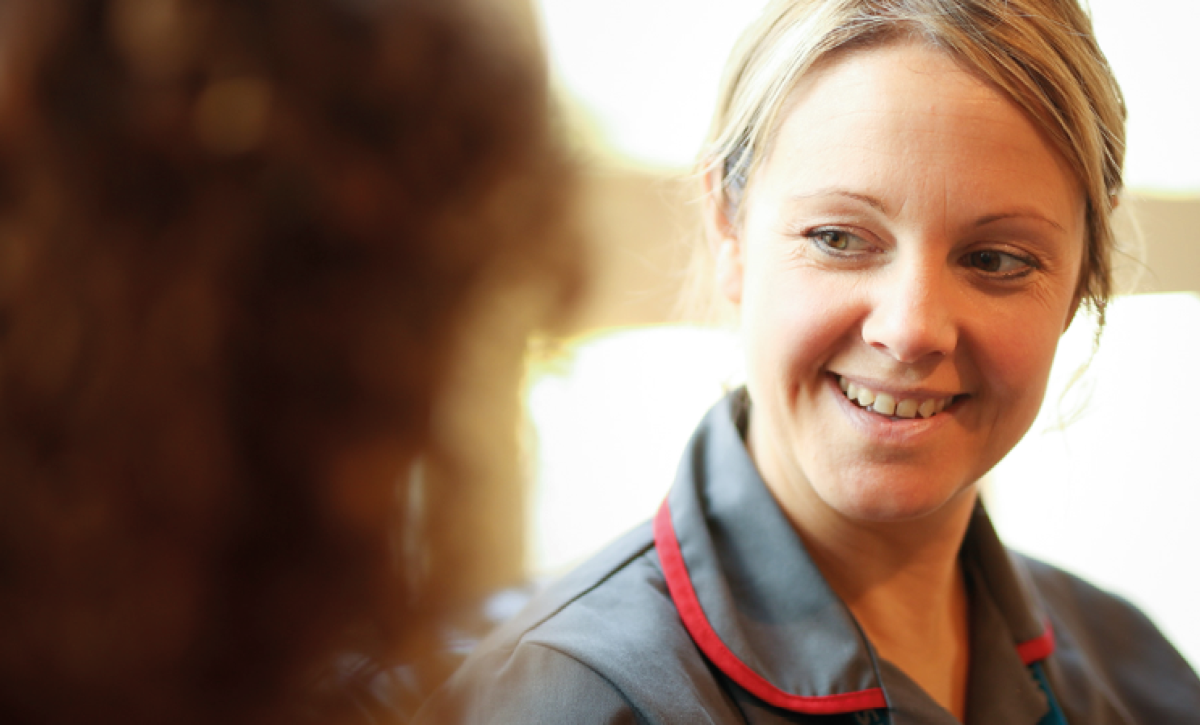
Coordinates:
908	202
265	269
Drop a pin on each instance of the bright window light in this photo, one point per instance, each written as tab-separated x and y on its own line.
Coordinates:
646	74
645	71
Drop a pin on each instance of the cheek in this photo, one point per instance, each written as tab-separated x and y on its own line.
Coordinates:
1017	361
793	322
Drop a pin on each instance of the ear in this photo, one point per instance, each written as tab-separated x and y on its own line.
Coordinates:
723	240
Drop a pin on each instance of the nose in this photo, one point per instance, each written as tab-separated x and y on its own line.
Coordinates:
912	315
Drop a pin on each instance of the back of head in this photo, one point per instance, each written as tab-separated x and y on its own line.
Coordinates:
240	243
1041	54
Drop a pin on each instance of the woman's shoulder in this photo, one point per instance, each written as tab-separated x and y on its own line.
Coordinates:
1087	616
603	640
1104	641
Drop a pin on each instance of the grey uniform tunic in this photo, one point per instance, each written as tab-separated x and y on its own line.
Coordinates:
714	613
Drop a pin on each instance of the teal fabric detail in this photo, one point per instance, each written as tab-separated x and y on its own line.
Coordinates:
1055	716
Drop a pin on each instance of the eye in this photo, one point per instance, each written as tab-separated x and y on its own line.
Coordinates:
1000	264
838	240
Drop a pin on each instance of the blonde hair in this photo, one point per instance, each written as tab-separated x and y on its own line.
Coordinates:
1042	54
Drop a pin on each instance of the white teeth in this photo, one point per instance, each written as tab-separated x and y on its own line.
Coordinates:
886	403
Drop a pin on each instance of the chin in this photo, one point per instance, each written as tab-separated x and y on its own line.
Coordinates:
894	499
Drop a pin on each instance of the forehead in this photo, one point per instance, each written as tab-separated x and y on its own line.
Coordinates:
907	113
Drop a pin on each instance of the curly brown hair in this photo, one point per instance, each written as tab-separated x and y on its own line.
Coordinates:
241	242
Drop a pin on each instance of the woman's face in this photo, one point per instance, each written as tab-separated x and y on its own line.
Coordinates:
913	237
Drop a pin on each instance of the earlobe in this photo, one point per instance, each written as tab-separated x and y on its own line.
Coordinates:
729	270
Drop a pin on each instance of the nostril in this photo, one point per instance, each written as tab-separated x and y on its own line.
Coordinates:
909	341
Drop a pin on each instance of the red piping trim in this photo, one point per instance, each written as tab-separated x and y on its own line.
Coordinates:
680	586
1038	648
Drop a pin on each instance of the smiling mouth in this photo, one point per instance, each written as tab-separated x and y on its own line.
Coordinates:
889	405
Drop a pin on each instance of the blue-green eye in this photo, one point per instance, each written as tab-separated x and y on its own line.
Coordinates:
837	240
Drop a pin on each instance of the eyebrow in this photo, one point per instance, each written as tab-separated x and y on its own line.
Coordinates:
864	198
1018	214
876	203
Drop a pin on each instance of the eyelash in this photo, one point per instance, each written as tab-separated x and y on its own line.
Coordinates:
821	236
1028	264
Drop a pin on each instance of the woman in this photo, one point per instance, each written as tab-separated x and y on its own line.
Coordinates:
250	254
908	201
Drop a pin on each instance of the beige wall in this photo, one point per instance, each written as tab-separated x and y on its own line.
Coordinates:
645	225
1171	230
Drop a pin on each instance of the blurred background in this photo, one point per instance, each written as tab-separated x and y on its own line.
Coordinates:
1111	496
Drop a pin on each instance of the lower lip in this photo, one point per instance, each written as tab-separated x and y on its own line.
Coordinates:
888	430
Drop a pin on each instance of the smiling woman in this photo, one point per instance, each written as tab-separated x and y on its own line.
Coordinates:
874	254
908	201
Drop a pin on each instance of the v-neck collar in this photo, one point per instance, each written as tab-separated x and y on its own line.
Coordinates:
755	603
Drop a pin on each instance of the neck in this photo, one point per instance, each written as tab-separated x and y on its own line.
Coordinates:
914	611
905	587
900	577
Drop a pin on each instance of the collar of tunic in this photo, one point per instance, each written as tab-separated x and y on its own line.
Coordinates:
754	602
